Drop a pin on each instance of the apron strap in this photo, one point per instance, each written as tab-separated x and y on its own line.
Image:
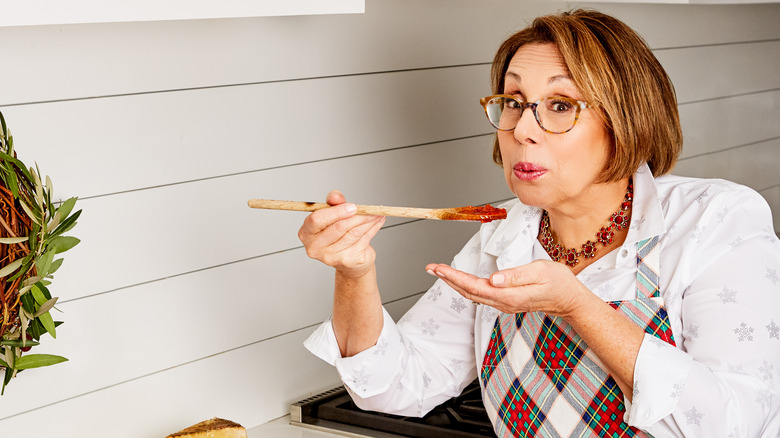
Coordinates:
648	267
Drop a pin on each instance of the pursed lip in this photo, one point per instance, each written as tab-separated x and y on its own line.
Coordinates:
528	171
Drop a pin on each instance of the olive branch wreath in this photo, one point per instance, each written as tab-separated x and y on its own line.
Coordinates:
31	236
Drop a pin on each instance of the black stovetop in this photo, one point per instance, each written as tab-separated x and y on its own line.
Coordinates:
461	417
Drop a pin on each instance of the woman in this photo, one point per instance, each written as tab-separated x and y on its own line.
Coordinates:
615	300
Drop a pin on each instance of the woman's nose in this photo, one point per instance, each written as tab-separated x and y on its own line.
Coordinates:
527	128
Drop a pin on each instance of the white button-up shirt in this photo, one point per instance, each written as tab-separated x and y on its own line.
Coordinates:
720	279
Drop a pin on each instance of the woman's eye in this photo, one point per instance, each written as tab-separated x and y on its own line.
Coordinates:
512	104
559	106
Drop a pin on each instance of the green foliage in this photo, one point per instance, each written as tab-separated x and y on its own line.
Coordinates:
46	241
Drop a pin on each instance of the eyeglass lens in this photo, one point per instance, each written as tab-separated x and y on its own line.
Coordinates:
552	113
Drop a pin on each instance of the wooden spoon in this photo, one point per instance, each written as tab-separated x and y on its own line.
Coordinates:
486	213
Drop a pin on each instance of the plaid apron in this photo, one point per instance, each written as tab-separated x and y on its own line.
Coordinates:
539	378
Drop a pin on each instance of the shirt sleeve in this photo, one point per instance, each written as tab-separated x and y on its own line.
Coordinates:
420	362
722	379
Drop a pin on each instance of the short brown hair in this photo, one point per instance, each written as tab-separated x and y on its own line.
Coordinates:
621	80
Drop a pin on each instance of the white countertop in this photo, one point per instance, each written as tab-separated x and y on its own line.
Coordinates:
281	428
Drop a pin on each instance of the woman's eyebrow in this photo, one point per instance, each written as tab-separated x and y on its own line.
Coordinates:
514	76
559	78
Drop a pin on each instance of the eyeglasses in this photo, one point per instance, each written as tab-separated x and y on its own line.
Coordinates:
554	114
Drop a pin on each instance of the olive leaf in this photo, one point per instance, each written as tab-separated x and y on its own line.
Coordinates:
63	243
37	360
11	267
43	263
28	211
20	343
66	207
45	307
48	324
12	240
55	265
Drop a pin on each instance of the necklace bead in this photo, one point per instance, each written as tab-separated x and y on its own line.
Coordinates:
605	236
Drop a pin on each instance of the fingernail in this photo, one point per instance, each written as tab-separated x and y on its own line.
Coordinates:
351	208
430	272
497	279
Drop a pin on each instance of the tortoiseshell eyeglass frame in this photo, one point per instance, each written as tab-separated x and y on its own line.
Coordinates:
578	105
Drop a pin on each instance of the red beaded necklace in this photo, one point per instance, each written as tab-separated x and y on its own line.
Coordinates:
571	256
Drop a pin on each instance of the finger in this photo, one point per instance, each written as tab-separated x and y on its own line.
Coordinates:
526	275
470	286
320	220
335	197
357	232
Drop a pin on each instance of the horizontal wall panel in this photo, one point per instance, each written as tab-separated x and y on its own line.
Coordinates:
73	61
719	124
754	166
719	71
250	385
100	146
393	36
180	319
149	140
146	235
664	26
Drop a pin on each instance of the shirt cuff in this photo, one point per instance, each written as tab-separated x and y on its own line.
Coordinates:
369	372
659	377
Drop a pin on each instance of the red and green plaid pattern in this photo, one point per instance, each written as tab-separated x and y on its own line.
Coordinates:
556	353
518	382
495	352
644	312
520	413
604	414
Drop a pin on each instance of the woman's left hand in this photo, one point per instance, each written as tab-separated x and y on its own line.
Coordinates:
541	285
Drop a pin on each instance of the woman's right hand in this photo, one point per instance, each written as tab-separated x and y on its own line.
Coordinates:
339	238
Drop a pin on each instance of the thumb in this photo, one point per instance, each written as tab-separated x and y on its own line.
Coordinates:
335	197
518	276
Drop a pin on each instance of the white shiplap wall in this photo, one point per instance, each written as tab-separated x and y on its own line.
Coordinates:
181	303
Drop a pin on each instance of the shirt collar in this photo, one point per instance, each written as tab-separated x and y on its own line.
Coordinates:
511	239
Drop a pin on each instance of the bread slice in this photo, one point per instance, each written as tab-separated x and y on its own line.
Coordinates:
213	428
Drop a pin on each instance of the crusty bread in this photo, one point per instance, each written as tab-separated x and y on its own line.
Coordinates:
213	428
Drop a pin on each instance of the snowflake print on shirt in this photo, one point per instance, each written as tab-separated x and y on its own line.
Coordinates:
458	304
771	274
697	232
766	370
774	330
531	213
430	327
722	215
743	332
702	196
727	296
426	380
457	364
736	242
678	389
764	397
692	331
381	347
693	416
486	268
360	378
502	244
435	293
605	291
489	314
